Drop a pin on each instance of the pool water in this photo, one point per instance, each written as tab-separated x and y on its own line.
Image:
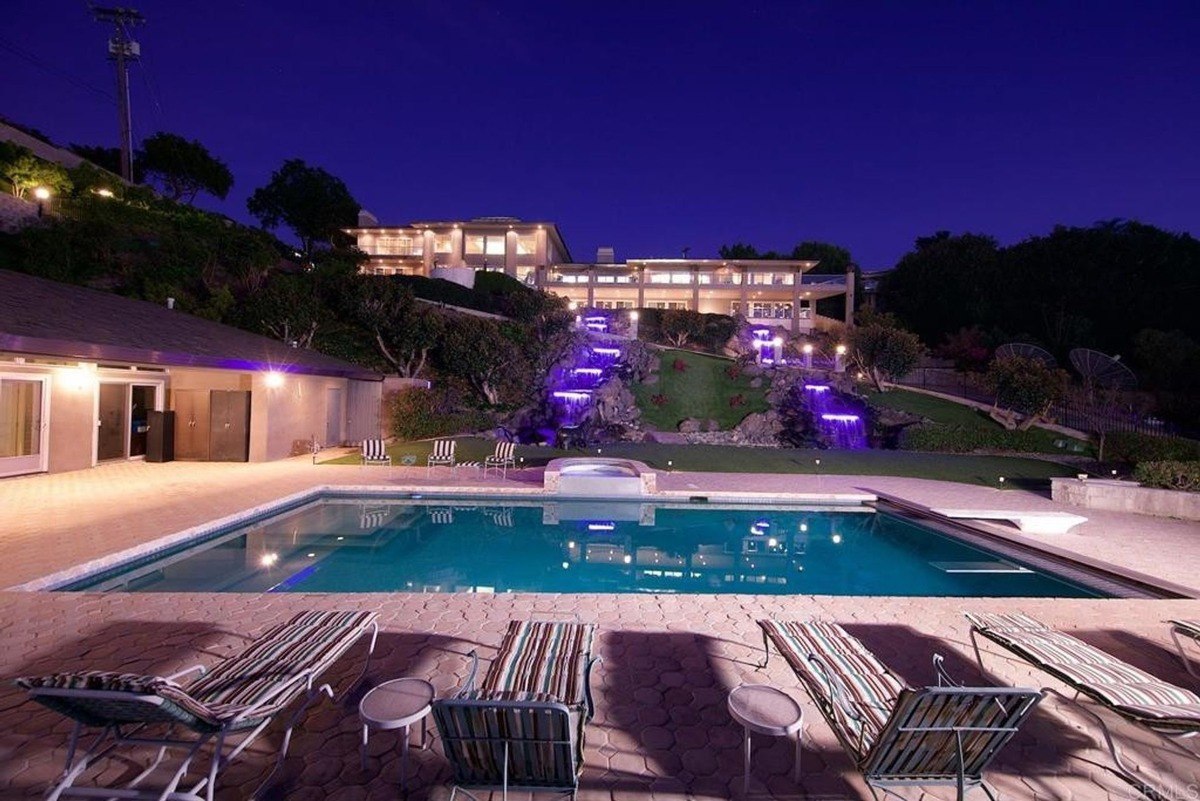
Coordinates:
337	544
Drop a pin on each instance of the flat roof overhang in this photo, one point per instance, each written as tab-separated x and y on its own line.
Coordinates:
96	352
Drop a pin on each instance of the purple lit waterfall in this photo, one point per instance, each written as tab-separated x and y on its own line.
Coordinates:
839	421
573	389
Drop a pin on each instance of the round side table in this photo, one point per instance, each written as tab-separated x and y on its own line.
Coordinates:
396	704
762	709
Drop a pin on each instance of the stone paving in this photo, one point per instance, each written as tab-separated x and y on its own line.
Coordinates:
661	729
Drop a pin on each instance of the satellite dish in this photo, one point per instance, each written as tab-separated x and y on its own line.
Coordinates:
1026	351
1101	370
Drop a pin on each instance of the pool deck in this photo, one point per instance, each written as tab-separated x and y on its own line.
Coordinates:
661	728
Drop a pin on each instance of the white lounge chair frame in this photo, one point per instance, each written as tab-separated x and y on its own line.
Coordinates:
1170	733
441	455
147	710
912	747
1191	630
374	451
501	459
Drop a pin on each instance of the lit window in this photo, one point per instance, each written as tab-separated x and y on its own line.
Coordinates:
475	244
441	243
495	245
527	245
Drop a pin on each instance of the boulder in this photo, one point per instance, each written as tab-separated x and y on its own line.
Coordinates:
760	428
689	426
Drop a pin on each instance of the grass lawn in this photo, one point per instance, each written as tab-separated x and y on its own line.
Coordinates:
1019	473
950	413
702	391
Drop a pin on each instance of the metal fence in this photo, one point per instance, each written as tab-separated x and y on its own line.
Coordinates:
1072	412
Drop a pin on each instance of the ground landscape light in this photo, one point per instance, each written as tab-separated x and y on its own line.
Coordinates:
41	193
808	348
841	350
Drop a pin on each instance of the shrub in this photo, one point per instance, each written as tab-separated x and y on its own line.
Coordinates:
418	413
679	366
958	439
737	400
659	399
1129	447
1171	475
733	371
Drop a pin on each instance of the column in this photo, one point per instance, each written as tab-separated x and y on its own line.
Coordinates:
849	295
591	285
796	300
641	279
745	290
695	270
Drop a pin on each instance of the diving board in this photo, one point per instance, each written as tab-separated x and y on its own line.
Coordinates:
1031	522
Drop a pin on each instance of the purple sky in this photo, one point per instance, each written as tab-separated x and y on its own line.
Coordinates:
652	126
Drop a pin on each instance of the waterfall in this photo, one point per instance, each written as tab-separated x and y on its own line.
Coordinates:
838	419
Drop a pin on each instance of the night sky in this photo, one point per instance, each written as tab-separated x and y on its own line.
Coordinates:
653	126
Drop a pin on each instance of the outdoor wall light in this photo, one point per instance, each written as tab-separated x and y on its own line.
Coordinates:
269	559
633	315
273	380
841	350
104	192
41	193
808	348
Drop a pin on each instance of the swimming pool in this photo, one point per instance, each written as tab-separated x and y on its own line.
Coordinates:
373	544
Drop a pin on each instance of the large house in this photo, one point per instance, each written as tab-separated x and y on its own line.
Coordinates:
765	292
85	377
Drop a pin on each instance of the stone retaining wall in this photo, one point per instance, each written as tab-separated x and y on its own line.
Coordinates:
1125	496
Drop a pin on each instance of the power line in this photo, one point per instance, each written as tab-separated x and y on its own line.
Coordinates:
51	69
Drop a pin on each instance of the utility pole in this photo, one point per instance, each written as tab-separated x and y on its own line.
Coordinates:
122	50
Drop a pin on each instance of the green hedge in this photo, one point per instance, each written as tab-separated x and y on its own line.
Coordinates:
1171	475
960	439
422	413
1136	448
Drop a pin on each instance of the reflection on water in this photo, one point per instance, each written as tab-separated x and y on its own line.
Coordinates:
343	545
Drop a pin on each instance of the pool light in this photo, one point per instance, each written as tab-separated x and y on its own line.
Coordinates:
837	539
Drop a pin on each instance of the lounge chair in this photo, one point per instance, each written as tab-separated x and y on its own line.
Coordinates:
442	454
546	658
1191	630
1114	685
896	735
532	705
238	698
501	459
374	451
520	745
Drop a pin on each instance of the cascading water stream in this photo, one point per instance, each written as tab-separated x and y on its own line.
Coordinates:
840	423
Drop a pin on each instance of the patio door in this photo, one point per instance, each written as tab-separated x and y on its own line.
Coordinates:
122	419
23	417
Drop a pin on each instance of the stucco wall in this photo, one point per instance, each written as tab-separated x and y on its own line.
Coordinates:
281	417
1125	496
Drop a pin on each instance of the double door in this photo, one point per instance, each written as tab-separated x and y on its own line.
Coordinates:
212	425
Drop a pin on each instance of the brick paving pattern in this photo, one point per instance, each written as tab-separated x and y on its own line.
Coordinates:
661	729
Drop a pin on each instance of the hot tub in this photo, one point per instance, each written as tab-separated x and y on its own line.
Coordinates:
589	477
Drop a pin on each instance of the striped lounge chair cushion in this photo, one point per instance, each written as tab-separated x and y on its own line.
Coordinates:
176	705
443	451
531	748
503	453
311	641
546	658
374	450
872	688
1096	673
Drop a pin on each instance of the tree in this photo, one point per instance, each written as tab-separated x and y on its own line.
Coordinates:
478	351
1024	387
310	201
679	326
883	350
404	330
183	168
946	283
106	158
26	171
289	308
